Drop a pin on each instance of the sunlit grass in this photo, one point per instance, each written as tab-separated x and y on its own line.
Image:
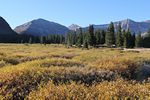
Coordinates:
54	72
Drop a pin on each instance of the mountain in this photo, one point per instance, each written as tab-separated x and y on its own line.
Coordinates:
5	29
134	27
74	27
41	27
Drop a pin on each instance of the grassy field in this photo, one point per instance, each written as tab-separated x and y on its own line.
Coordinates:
53	72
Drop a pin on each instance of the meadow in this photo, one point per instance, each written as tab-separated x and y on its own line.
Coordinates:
54	72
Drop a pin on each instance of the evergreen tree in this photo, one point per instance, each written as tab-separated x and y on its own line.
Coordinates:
124	37
148	33
110	35
70	38
133	41
138	41
54	38
91	37
102	40
127	39
85	43
30	40
146	40
85	36
61	39
21	41
41	40
74	38
119	37
98	37
44	40
79	37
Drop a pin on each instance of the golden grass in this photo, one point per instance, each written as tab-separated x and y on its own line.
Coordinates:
57	73
118	89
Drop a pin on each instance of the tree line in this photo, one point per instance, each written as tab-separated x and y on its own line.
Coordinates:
24	38
109	38
85	38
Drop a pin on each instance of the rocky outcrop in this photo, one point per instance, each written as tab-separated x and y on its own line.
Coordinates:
143	72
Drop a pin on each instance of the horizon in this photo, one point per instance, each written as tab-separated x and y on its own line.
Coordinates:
68	12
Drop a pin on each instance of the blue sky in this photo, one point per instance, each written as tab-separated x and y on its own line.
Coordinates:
67	12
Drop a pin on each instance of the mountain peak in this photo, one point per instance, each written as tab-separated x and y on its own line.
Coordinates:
127	20
40	19
74	27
